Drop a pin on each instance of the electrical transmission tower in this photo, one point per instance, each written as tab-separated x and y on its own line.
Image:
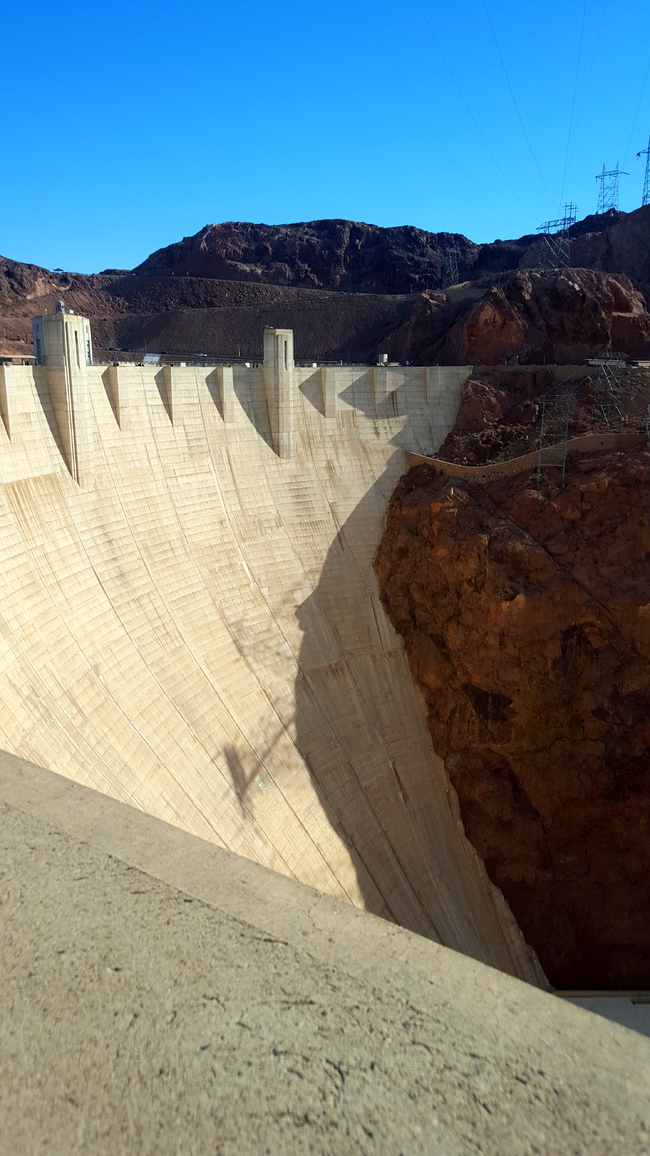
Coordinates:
608	393
608	398
557	250
556	408
646	182
450	274
608	191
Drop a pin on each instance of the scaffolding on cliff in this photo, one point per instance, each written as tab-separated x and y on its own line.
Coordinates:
604	398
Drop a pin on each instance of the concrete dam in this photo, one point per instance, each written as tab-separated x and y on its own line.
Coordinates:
190	622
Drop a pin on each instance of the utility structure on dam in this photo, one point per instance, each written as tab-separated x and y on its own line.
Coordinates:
191	623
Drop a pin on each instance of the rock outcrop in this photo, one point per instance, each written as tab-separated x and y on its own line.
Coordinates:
526	618
26	290
559	316
348	255
499	416
352	290
357	257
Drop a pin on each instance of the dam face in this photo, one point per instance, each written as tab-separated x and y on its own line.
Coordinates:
190	622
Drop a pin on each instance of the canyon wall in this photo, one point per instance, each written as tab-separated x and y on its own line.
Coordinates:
525	612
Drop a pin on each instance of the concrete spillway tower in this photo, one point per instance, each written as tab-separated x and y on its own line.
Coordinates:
62	338
63	345
279	387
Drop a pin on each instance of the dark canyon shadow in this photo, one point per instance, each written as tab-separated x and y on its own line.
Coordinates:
541	716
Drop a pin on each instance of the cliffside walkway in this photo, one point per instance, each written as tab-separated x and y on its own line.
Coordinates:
549	455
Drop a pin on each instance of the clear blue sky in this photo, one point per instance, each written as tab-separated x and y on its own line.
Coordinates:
128	125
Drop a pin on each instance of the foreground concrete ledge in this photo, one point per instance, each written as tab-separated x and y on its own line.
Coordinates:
161	995
331	930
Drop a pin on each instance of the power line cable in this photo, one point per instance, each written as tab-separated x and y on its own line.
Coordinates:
645	78
589	74
573	102
430	124
514	101
471	114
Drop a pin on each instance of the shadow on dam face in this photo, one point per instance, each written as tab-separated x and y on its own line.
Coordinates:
344	717
352	730
361	730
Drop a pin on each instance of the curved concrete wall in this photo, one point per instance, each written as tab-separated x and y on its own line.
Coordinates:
196	629
550	456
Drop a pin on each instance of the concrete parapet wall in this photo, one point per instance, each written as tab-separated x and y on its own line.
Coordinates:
550	455
161	996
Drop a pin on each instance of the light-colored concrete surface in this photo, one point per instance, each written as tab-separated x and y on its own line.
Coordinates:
466	291
142	1017
196	628
63	343
631	1009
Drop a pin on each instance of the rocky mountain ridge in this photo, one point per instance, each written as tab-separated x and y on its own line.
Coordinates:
350	290
357	257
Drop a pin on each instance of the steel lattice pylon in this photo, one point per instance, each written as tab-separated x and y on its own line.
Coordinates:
557	251
555	409
608	395
450	274
608	191
559	406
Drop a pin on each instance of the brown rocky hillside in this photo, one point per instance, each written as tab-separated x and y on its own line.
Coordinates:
356	257
351	290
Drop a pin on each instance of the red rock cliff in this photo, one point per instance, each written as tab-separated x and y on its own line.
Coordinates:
526	618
